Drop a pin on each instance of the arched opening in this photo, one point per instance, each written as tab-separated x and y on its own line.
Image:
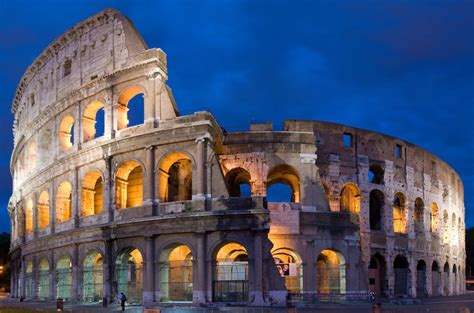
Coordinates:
399	213
64	278
29	292
376	203
455	280
290	268
130	103
445	228
331	272
400	269
434	217
92	277
63	202
43	210
176	275
419	215
277	178
238	182
66	134
446	279
43	279
435	279
129	185
421	279
92	189
29	217
129	265
377	269
89	120
376	174
176	178
230	274
31	158
350	199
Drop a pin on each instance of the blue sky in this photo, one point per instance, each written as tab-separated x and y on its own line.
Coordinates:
404	68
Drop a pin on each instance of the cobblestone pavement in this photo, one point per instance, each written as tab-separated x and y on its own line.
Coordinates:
431	305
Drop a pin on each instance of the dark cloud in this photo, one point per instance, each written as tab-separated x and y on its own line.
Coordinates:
399	67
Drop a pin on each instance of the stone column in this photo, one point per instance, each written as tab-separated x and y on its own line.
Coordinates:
109	192
309	272
77	129
390	275
52	277
35	215
149	279
108	270
200	279
22	278
109	131
412	276
201	168
76	198
149	185
52	206
75	273
34	288
308	195
256	293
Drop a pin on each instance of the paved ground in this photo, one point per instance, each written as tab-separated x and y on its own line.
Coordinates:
431	305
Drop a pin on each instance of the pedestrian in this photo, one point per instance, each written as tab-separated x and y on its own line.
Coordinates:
122	301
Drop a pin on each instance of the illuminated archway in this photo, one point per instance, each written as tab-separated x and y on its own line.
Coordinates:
64	278
230	274
176	177
399	213
434	217
331	272
129	95
31	158
89	120
92	276
66	133
43	279
129	271
29	217
419	215
290	268
283	174
176	276
63	202
350	199
129	185
29	292
92	198
43	210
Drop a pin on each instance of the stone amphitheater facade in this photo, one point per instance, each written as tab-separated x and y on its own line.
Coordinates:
175	209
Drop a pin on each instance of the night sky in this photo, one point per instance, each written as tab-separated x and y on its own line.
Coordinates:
404	68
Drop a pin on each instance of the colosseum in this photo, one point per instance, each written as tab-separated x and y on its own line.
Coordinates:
115	191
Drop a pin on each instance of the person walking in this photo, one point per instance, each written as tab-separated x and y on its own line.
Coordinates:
123	298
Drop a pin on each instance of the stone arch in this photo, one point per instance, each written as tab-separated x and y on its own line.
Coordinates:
418	216
129	271
64	277
400	268
29	290
446	279
89	119
376	206
331	272
399	213
350	198
66	133
175	170
455	280
376	174
235	178
377	274
230	273
286	175
434	217
122	107
43	210
29	216
64	202
435	279
290	267
31	156
129	185
421	290
92	276
92	193
43	279
176	273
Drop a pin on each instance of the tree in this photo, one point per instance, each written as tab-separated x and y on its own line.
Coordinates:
4	262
